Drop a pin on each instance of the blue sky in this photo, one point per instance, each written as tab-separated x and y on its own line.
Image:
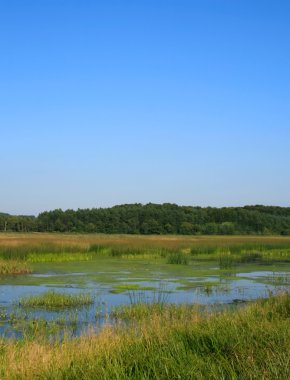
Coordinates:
110	102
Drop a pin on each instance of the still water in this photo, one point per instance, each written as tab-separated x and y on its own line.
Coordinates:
115	282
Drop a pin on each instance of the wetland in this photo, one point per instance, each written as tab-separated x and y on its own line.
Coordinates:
58	287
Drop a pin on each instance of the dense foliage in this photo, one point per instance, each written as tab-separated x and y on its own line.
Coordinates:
157	219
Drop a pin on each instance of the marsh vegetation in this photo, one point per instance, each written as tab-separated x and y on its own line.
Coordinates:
164	342
14	267
98	301
53	300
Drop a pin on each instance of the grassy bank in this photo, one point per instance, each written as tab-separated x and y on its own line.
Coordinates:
179	343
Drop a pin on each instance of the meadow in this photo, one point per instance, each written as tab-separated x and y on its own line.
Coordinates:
66	247
144	307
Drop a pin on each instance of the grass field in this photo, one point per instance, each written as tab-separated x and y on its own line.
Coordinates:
137	241
17	245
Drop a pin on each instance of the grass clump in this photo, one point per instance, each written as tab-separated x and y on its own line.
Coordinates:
52	299
141	311
227	260
177	258
121	288
14	267
100	250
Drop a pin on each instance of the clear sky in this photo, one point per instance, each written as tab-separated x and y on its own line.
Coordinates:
108	102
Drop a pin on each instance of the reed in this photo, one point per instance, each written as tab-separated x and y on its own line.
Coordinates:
142	310
19	246
82	242
21	252
227	260
178	258
251	257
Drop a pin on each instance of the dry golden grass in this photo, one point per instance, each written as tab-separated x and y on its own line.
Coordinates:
14	267
34	359
132	241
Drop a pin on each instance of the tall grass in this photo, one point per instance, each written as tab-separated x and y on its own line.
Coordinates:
20	246
141	311
226	260
197	250
21	252
177	258
171	242
159	296
131	252
251	257
58	257
14	267
250	343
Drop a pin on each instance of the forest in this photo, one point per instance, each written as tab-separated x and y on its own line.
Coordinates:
156	219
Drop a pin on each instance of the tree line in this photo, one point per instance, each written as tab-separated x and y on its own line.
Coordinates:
156	219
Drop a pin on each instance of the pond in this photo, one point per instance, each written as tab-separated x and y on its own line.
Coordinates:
117	281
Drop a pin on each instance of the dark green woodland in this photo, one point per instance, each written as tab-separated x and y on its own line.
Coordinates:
156	219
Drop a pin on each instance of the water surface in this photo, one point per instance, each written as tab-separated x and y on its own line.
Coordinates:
110	282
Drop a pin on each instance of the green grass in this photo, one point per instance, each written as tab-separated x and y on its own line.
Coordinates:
141	311
153	340
177	258
58	257
245	250
227	260
23	251
121	288
51	300
204	284
176	250
165	342
251	257
197	250
230	259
